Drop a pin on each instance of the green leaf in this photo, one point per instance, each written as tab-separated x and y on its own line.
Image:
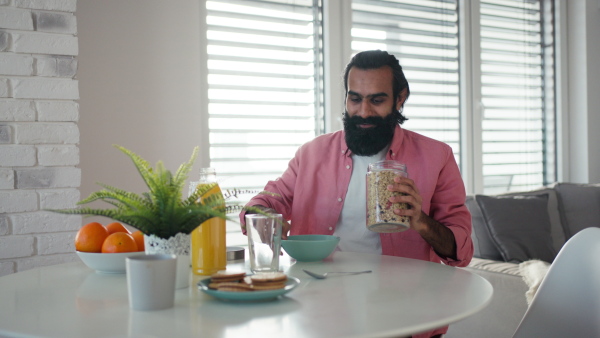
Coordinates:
161	211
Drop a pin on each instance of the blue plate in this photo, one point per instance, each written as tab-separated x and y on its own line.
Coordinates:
250	295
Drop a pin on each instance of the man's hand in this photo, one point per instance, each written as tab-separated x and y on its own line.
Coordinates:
437	235
285	227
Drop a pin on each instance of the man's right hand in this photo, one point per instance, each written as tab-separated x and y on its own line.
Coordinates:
285	229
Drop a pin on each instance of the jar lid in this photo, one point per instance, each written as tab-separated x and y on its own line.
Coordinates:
387	164
235	253
207	171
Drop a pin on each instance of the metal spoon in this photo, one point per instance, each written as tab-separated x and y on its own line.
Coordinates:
324	275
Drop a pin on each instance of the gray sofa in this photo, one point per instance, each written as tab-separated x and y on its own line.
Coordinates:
509	232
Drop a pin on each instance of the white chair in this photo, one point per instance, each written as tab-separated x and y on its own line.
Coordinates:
567	303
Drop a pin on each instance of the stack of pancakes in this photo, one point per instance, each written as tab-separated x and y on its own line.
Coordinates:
239	282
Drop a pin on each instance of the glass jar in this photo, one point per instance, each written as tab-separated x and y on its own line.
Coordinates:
380	211
209	250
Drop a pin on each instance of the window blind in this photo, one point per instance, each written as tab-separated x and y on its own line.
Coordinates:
515	82
423	35
264	66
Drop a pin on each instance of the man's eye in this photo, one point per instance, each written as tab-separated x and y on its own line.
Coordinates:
355	99
377	101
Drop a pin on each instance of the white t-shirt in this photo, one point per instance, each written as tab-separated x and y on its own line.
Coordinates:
352	224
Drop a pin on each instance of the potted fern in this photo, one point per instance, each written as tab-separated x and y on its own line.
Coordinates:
162	214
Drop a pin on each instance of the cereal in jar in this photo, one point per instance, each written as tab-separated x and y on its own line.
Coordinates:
380	211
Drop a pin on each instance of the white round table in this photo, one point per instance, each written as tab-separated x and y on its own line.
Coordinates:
399	298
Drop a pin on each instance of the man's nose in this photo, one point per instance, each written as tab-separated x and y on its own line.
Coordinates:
366	109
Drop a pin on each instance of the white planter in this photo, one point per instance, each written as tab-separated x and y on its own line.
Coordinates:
178	245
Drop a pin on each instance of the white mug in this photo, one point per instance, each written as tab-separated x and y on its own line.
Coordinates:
151	281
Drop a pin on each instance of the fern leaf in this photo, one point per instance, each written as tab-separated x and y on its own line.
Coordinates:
182	172
162	211
143	167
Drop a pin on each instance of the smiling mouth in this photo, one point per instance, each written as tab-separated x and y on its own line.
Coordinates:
366	125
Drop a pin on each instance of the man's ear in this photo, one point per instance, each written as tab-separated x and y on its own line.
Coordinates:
401	98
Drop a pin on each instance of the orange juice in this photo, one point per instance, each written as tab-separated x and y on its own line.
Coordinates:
209	251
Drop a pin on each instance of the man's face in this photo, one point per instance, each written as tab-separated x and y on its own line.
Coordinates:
371	111
370	93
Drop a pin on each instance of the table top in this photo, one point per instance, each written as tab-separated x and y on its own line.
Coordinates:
401	297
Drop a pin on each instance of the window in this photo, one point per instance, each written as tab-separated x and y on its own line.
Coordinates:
264	89
513	112
264	86
423	35
516	95
481	76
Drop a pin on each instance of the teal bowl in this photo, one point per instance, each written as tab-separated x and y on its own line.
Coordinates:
310	248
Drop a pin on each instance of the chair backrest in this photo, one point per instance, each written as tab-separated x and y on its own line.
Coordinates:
567	303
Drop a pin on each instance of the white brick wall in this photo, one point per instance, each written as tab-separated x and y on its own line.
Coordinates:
18	201
17	156
50	5
7	179
46	177
57	111
58	198
3	225
4	90
42	43
11	64
12	110
5	134
39	135
42	222
44	88
40	132
16	18
58	155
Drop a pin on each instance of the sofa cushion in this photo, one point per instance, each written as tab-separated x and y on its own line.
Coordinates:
483	245
556	227
519	226
495	266
579	206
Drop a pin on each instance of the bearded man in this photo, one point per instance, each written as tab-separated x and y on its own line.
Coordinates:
323	190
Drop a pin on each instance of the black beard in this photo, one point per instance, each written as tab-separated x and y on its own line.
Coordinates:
369	141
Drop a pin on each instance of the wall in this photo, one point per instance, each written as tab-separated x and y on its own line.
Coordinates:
38	132
593	18
139	74
583	40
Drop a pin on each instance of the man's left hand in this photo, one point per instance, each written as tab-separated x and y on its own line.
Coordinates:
410	195
436	234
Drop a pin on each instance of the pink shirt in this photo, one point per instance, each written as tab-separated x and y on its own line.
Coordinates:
311	192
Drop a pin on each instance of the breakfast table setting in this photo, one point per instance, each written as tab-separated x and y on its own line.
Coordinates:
173	276
399	297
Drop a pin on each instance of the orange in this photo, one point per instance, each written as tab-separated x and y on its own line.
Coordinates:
117	227
119	242
139	240
91	237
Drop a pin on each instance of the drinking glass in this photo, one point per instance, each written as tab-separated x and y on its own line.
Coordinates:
264	241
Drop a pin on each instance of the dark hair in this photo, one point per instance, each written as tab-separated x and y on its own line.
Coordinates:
374	59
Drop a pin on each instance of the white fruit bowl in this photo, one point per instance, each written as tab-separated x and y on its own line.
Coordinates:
107	262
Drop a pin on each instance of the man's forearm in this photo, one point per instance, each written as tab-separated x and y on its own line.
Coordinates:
438	236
